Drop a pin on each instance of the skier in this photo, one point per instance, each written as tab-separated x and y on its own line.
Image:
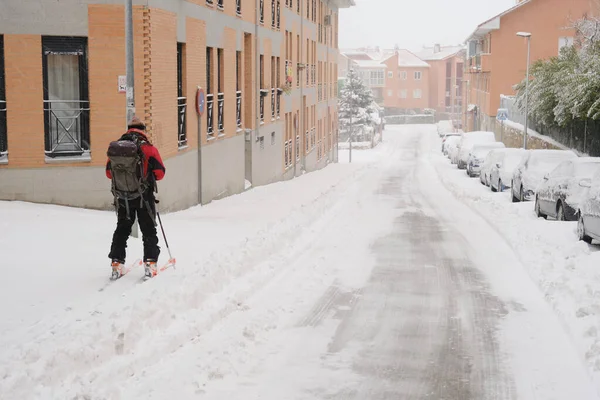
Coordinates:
134	165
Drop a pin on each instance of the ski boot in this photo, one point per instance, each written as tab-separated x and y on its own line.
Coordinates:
150	268
118	269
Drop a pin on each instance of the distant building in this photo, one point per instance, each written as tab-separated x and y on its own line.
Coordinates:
496	57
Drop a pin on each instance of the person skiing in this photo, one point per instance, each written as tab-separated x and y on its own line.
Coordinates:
133	166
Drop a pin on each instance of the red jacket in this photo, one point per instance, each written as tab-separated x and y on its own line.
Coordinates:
152	158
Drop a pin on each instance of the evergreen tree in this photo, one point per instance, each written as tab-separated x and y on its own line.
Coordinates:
355	104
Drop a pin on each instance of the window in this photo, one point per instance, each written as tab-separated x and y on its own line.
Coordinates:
390	93
417	94
262	11
377	78
181	99
66	102
238	7
402	94
564	42
238	89
210	97
403	75
220	4
220	94
3	133
417	75
390	74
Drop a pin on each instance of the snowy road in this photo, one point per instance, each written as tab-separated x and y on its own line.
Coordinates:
383	285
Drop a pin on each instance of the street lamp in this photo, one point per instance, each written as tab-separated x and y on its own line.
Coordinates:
526	35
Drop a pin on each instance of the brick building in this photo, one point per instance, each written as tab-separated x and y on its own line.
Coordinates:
268	68
496	58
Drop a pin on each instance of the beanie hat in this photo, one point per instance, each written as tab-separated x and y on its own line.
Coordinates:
136	123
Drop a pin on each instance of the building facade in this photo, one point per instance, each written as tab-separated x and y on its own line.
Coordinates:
406	83
445	79
268	69
496	57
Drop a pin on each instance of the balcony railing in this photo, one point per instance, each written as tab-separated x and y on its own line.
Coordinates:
288	153
210	106
238	108
320	93
263	94
181	121
273	103
278	14
297	148
67	127
297	75
220	112
307	142
278	104
238	7
220	4
3	138
313	137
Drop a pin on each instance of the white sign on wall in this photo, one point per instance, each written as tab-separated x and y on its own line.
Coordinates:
122	83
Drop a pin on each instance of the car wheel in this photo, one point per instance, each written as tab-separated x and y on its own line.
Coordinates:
521	195
538	210
581	230
515	199
492	188
560	212
500	187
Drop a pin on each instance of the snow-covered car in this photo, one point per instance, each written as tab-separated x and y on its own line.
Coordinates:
502	170
469	140
493	157
530	172
478	155
559	194
444	127
446	137
588	214
453	149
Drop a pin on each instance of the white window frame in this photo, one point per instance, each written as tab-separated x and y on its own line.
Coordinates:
390	93
565	41
390	74
418	75
403	75
403	93
417	94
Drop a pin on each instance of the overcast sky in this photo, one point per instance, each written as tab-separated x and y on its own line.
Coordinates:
414	23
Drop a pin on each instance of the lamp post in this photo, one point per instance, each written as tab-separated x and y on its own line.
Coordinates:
526	35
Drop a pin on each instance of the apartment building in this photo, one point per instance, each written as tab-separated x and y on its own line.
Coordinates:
445	78
406	82
268	69
496	57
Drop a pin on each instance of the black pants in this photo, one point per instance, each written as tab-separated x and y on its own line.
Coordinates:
146	217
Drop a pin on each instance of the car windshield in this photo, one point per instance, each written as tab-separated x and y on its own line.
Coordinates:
587	169
548	161
512	160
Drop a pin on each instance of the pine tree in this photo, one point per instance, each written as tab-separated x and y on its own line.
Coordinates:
355	105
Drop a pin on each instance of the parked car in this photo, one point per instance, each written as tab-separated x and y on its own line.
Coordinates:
469	140
478	155
445	127
502	171
560	192
452	138
588	214
453	150
530	172
495	156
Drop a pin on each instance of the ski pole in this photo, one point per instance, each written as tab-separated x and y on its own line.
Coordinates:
165	237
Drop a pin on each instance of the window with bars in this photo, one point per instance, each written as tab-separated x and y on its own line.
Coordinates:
66	101
3	128
210	103
262	11
220	93
238	7
181	99
238	89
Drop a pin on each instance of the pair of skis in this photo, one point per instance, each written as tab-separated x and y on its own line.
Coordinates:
116	275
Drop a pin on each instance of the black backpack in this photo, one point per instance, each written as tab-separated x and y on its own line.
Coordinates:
127	169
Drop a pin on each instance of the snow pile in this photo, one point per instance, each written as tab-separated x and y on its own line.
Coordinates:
565	269
67	332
